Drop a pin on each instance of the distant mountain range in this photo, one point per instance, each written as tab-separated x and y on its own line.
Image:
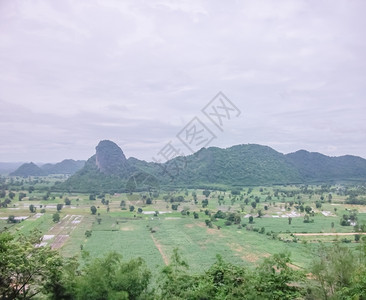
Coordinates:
242	165
8	167
67	166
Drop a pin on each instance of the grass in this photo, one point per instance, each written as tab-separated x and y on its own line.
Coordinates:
130	233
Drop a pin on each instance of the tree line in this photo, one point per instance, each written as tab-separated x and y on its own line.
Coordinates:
29	270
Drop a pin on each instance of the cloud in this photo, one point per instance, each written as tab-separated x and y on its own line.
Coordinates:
136	72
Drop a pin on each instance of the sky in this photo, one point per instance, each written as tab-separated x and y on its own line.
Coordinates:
141	73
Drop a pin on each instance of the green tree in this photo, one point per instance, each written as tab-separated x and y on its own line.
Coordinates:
308	209
332	268
275	279
67	201
206	193
111	278
21	196
32	208
56	217
93	210
27	270
59	207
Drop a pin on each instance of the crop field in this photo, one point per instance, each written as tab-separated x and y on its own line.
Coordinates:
264	221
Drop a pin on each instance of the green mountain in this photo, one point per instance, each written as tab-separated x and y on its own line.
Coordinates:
28	169
67	166
8	167
316	167
107	170
235	166
242	165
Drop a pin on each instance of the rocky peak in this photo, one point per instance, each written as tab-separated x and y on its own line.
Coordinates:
110	158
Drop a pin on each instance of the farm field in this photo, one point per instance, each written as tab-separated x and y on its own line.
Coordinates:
252	223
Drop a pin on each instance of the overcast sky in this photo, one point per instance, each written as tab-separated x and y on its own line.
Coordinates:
73	73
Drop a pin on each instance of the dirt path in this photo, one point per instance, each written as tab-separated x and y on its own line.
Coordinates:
160	248
329	233
62	230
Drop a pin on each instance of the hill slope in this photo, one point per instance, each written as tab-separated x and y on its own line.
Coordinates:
67	166
241	165
315	167
28	169
108	170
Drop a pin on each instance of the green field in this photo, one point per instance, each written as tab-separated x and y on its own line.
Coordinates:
154	237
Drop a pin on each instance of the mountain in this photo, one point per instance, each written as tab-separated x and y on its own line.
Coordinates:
236	166
28	169
241	165
8	167
110	159
67	166
317	167
107	170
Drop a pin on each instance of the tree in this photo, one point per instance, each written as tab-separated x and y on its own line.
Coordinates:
93	210
308	209
289	220
275	278
330	197
11	195
59	207
92	197
21	196
254	204
32	208
251	219
111	278
67	201
123	205
31	189
132	208
11	219
27	270
206	193
2	194
333	268
56	217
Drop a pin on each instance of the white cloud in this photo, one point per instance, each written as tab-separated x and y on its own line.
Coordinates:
136	72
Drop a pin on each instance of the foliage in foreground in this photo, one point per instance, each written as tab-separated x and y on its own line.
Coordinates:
30	271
